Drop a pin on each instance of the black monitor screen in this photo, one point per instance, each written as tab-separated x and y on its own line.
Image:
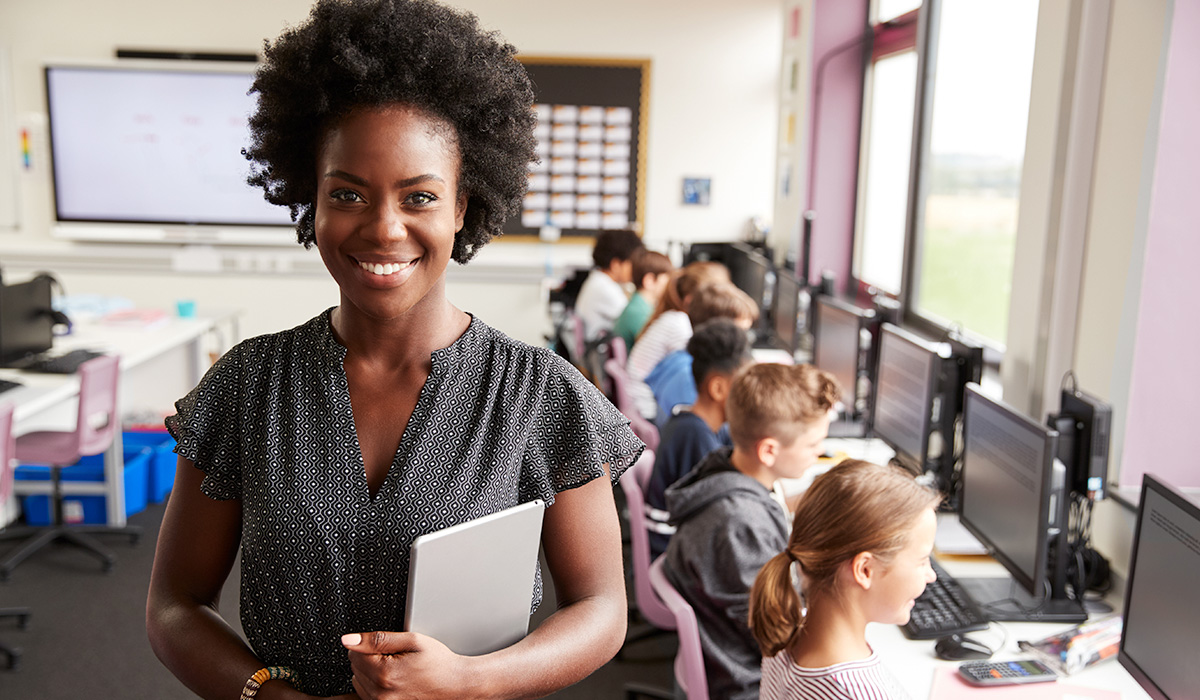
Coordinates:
904	388
751	272
835	349
1161	615
26	326
1008	465
785	310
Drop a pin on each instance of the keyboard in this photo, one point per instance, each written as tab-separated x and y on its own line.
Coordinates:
5	385
66	363
944	608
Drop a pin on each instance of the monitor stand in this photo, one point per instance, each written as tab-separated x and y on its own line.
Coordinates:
1004	600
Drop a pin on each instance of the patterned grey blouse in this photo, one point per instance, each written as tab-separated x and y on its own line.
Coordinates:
497	423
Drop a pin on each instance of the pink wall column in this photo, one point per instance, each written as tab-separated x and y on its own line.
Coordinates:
834	173
1162	433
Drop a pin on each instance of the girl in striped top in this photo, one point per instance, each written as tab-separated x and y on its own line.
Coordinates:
860	542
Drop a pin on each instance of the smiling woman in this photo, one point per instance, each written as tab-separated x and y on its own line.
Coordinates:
398	132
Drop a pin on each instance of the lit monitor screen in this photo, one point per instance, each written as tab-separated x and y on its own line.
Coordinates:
154	145
1008	465
836	346
785	310
1161	616
904	388
26	327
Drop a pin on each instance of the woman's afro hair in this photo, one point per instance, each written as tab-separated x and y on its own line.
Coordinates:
365	53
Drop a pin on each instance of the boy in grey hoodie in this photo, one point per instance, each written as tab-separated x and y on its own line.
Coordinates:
730	519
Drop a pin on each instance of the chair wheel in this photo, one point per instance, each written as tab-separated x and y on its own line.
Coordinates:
135	538
107	567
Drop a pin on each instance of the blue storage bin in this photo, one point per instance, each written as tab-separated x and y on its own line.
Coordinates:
89	509
162	463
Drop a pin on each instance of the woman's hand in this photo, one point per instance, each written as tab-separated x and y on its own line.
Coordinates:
402	665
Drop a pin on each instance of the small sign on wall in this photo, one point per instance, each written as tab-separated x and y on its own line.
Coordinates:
697	190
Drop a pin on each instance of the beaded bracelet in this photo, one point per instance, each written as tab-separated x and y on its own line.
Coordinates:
263	675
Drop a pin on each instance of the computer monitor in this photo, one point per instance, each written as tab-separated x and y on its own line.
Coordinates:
1161	616
905	387
838	345
785	311
1013	501
26	323
751	272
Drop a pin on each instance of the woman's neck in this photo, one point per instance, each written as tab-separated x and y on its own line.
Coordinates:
833	633
432	324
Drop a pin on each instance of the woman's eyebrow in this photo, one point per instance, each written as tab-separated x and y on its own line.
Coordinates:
400	184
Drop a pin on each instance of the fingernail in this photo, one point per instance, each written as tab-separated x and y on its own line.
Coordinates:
351	640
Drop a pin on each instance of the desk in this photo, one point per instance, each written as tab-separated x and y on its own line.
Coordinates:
159	364
913	662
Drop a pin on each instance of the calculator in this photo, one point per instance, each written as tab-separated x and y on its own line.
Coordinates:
1004	672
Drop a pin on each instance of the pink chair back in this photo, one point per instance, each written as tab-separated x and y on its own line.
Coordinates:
689	660
97	420
617	350
632	484
646	431
577	339
7	452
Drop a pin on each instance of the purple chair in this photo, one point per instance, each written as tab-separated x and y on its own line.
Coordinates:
652	609
617	350
95	425
646	431
11	654
689	661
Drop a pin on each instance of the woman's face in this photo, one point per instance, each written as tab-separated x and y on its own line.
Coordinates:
388	207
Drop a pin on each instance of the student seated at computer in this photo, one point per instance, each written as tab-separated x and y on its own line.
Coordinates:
602	297
729	518
671	380
717	350
651	275
862	536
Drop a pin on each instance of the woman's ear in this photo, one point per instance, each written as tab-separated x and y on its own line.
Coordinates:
864	567
460	211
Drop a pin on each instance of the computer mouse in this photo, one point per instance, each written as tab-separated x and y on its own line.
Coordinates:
959	647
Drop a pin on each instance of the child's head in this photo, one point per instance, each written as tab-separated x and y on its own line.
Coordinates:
862	532
719	349
684	284
722	300
651	272
779	414
614	251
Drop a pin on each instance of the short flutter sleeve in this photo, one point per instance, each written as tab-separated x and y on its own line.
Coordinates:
207	427
576	431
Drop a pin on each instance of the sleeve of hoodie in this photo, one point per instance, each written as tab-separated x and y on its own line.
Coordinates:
749	544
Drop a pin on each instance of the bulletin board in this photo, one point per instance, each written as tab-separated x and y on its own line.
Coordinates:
591	135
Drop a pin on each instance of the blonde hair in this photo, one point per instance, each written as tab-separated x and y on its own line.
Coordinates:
684	284
854	507
720	300
777	401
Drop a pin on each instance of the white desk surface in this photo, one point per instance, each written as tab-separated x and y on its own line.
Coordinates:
134	345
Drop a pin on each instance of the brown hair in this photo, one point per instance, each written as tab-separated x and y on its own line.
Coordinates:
649	262
777	401
854	507
684	284
720	300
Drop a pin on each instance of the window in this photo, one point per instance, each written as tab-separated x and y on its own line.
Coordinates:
972	165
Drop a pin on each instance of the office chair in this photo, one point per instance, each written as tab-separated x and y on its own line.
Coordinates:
617	350
11	654
646	431
689	661
633	484
95	425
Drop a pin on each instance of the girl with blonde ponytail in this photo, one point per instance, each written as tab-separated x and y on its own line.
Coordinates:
860	542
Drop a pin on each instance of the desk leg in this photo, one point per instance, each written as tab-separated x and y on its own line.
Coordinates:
114	481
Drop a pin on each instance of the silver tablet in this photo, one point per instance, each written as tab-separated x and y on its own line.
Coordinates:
470	586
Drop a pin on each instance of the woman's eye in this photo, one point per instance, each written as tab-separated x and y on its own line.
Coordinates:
345	196
421	198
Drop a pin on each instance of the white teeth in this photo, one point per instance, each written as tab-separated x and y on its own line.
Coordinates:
383	269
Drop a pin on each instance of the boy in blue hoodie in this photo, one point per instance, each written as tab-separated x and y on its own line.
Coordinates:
730	519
